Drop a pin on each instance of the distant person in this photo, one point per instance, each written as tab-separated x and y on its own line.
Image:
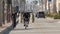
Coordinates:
26	17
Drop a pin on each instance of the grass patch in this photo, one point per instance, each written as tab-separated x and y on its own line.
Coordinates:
57	16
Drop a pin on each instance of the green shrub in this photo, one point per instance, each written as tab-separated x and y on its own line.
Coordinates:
57	16
49	15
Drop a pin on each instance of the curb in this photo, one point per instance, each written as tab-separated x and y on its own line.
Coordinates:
7	30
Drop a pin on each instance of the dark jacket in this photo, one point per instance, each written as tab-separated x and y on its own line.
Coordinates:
26	15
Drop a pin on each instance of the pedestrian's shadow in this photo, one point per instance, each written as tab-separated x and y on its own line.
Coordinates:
7	30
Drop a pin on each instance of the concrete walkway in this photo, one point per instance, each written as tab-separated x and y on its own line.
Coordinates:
5	28
41	26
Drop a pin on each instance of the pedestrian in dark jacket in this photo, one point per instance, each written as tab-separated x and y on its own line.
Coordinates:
14	19
26	16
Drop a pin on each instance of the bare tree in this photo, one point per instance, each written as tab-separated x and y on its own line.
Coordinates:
8	10
1	15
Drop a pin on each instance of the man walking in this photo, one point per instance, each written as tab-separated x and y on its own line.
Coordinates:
14	19
26	17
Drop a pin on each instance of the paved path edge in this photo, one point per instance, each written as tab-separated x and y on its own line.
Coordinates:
7	30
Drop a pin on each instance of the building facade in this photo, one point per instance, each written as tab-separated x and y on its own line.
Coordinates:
58	6
52	6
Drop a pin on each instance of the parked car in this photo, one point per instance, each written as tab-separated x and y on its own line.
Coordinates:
40	15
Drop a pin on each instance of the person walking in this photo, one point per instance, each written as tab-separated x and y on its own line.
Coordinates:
14	19
26	18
